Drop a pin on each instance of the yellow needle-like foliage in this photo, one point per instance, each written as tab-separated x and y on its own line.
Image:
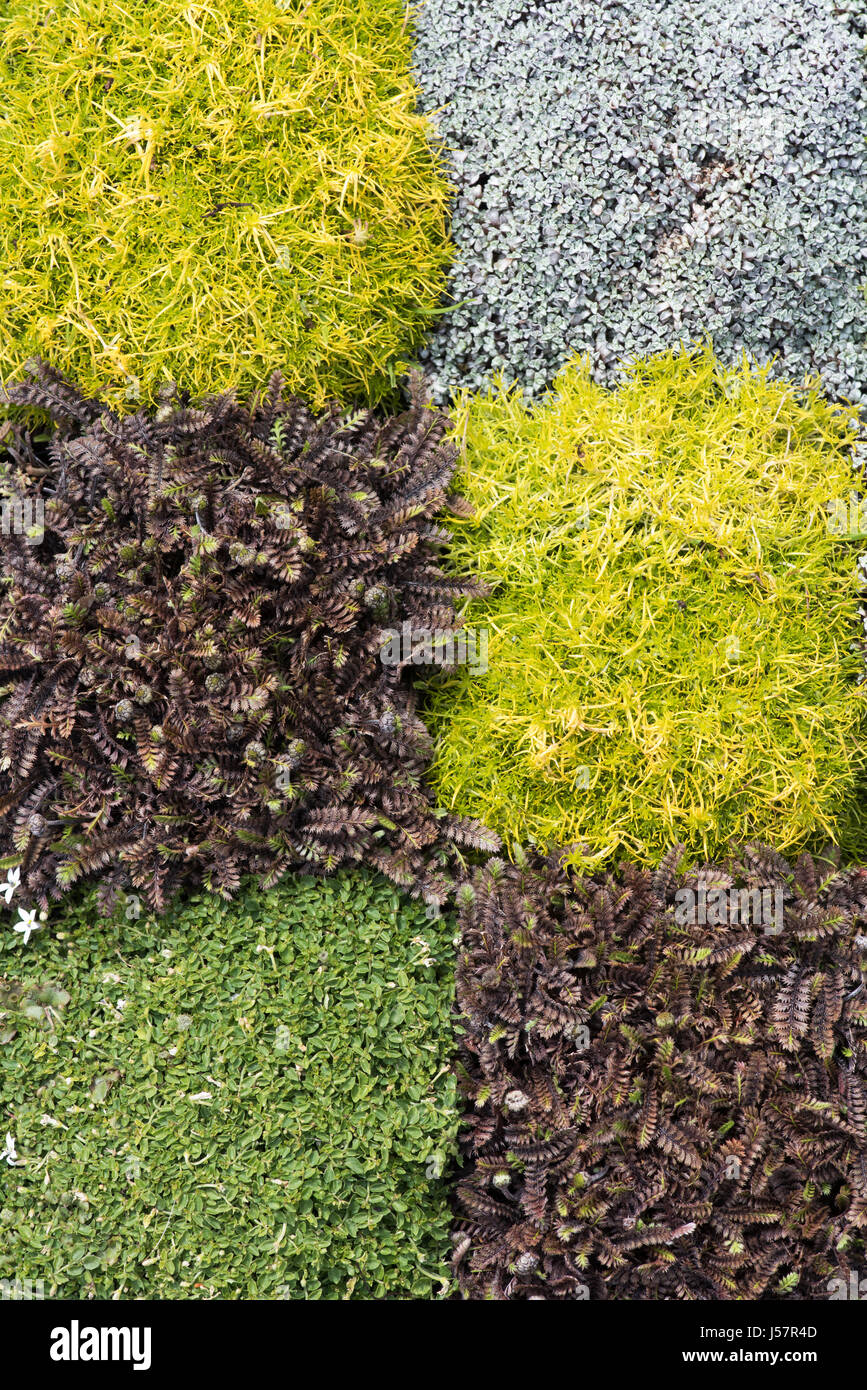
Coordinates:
202	192
673	619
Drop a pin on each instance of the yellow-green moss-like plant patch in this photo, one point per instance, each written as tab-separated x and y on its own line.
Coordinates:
195	192
673	624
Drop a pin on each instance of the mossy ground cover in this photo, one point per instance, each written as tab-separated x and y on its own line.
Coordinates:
672	619
203	192
246	1100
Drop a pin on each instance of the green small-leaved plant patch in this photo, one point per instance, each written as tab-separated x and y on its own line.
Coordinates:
231	1101
199	192
673	624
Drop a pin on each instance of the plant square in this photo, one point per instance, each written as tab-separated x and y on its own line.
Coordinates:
673	628
197	193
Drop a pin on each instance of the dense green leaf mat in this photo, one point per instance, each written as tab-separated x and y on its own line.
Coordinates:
237	1101
199	192
674	648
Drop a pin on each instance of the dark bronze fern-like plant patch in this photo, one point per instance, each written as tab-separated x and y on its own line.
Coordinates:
191	653
659	1108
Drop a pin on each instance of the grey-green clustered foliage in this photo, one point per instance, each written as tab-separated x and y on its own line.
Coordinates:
630	175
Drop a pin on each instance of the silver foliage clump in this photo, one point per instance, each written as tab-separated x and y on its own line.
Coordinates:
633	175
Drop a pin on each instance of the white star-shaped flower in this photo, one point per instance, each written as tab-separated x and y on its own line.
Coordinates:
27	925
9	1153
13	878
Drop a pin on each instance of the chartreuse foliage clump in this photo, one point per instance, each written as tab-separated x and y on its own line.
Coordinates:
672	621
200	192
236	1101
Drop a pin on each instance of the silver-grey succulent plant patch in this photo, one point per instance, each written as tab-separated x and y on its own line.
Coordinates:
632	175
